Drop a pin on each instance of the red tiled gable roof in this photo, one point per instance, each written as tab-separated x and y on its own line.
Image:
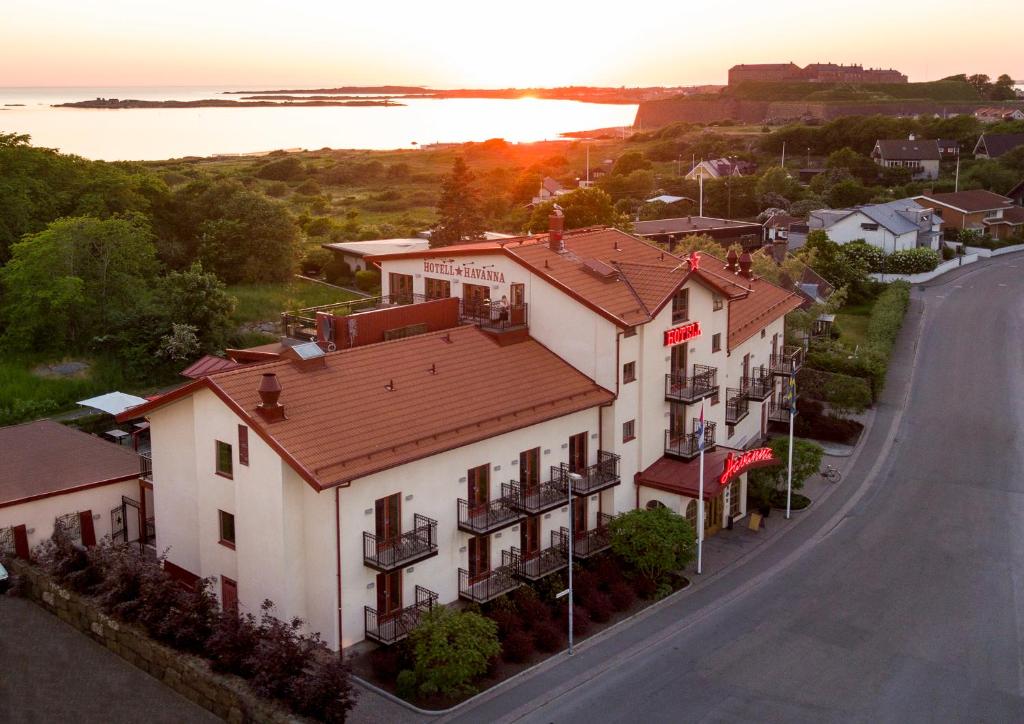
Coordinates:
683	478
45	458
343	423
208	364
766	302
970	201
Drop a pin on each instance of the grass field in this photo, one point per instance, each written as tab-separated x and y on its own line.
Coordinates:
853	324
24	395
265	302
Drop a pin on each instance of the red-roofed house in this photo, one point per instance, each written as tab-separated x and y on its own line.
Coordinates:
427	456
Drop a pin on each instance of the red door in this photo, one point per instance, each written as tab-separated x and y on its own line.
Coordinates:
229	594
400	288
88	531
518	301
479	558
388	521
21	542
579	516
478	488
578	453
529	468
474	299
529	537
389	594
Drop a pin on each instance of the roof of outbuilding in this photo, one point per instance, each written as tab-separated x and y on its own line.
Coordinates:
46	458
371	408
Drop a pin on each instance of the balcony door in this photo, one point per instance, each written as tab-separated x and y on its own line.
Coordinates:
479	558
529	468
677	365
400	288
746	366
677	421
578	453
579	516
478	488
775	345
713	515
388	521
517	292
389	594
473	298
529	537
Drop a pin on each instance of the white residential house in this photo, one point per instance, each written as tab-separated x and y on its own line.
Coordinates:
428	458
716	168
894	226
921	156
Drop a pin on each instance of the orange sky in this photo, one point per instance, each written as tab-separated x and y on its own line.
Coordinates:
456	43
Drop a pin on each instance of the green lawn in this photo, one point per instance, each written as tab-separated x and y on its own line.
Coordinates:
265	302
26	396
853	324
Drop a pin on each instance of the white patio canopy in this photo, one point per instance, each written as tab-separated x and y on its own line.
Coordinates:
112	403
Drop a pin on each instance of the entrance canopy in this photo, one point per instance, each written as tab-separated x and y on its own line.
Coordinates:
683	476
113	403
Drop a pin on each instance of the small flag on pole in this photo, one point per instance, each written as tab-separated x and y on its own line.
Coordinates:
700	429
791	395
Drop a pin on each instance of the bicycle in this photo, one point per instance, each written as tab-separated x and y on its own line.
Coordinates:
831	474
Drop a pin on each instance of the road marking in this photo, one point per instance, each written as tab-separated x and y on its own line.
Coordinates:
1002	285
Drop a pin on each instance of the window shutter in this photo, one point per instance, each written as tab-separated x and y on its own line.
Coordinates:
88	532
243	445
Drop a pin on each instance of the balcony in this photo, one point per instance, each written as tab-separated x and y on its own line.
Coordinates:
391	628
597	477
737	406
487	517
758	387
703	383
777	411
535	499
540	564
146	467
301	323
788	362
588	543
686	445
388	554
487	586
494	316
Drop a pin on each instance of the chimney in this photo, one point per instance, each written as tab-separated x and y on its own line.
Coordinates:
270	391
556	225
745	264
779	249
730	260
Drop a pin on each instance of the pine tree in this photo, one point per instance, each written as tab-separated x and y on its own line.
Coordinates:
459	208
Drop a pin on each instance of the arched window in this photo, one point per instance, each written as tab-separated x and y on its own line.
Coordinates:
654	504
691	513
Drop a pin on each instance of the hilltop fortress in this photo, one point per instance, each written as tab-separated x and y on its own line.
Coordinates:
813	73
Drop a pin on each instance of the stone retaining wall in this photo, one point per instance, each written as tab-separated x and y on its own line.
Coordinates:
227	697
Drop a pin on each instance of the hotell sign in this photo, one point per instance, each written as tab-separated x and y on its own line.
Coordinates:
682	333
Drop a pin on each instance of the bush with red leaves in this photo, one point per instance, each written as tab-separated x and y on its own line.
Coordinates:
548	636
323	691
621	596
517	648
580	620
608	571
599	606
645	587
508	622
385	663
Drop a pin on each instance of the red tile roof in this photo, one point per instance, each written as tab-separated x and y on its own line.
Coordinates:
208	364
765	303
45	458
970	201
343	423
683	477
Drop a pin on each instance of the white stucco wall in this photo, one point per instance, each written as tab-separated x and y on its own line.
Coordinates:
849	229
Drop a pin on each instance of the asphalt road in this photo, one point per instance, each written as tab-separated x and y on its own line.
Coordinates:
900	598
49	672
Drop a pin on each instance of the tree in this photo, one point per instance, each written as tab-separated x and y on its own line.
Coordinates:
629	162
654	541
777	181
846	395
451	648
857	164
828	260
458	209
848	193
198	299
702	243
582	207
74	280
806	462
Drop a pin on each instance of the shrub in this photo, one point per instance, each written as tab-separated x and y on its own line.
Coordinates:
887	317
584	583
645	586
309	187
532	611
911	261
314	260
580	619
286	169
337	270
599	606
847	394
451	649
318	226
654	541
621	596
609	573
368	280
518	647
385	663
277	189
860	252
547	636
507	621
279	655
324	690
405	684
948	253
232	642
67	561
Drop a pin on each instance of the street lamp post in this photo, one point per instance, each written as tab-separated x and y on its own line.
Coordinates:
573	479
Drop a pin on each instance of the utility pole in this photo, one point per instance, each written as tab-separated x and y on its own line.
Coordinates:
783	154
956	186
701	177
573	479
792	416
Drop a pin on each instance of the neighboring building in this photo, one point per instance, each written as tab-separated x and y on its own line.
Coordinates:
725	231
354	253
549	189
721	168
358	488
52	474
785	228
995	115
894	226
921	156
1016	194
978	210
994	145
949	149
813	73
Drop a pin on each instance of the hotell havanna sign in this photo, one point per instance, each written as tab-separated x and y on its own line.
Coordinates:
465	271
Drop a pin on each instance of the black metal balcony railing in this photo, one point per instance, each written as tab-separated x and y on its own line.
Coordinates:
686	445
542	563
787	362
602	474
758	386
737	406
392	627
487	586
587	543
778	411
534	499
146	467
386	554
494	316
703	383
487	517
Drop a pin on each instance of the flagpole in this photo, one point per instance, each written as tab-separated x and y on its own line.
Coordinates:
789	472
700	501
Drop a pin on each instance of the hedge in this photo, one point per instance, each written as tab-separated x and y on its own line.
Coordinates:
887	317
911	261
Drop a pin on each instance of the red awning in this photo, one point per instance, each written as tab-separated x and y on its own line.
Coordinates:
683	476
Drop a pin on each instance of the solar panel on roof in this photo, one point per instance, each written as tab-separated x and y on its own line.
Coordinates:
600	268
308	350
